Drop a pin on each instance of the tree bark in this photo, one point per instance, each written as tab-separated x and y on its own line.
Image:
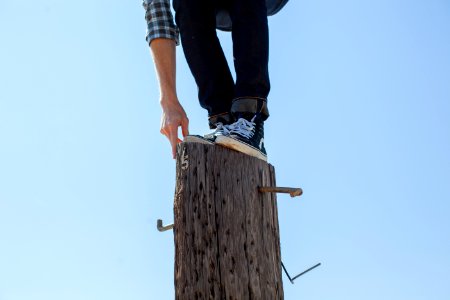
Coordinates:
226	233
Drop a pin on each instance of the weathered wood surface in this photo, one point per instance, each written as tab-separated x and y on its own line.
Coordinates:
226	232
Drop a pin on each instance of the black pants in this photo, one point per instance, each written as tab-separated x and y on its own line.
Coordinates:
217	91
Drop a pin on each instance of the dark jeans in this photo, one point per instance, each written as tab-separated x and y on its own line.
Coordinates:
217	91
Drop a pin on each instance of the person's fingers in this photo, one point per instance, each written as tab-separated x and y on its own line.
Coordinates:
166	130
170	121
174	151
173	138
185	126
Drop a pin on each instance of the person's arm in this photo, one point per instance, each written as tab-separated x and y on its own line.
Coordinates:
173	114
163	36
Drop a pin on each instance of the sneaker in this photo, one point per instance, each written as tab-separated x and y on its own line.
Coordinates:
246	137
221	130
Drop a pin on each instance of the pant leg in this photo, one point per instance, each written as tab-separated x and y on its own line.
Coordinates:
196	20
250	35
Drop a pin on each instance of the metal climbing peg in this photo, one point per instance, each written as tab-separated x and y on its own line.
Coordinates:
161	228
304	272
273	189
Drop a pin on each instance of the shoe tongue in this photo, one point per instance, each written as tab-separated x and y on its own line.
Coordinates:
246	116
224	119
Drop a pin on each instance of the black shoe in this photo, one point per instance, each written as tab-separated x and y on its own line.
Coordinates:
246	137
221	130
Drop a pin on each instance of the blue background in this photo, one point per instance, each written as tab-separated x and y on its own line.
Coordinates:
360	119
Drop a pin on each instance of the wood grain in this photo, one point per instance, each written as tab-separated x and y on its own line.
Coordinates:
226	232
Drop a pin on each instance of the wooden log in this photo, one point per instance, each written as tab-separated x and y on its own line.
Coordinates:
226	232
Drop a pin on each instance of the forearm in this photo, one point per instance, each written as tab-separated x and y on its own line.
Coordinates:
164	57
162	35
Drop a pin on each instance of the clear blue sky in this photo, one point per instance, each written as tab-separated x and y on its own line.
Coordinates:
360	119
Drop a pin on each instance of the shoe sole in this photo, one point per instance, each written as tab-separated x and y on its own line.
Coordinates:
197	139
231	143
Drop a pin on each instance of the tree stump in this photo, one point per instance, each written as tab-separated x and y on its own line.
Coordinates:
227	243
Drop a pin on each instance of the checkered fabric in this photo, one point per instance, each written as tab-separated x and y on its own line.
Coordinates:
160	22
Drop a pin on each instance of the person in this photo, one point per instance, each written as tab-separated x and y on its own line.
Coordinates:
237	109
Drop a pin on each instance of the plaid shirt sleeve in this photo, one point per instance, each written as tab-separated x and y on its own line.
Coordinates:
160	22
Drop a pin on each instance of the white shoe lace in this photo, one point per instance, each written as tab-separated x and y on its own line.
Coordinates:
220	129
242	127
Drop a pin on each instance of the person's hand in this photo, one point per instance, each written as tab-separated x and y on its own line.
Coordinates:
173	116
